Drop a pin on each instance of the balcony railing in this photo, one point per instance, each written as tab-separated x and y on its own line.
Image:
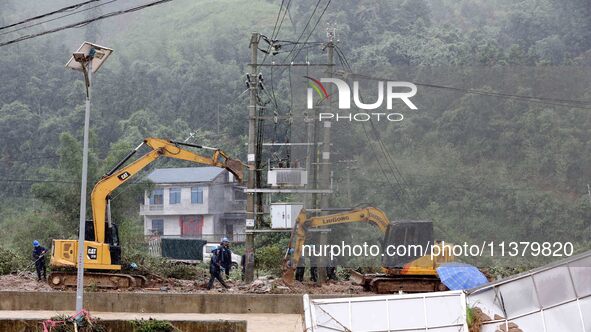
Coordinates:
231	206
151	207
237	206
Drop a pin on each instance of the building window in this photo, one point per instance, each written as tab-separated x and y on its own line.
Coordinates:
239	195
175	196
157	197
158	226
197	195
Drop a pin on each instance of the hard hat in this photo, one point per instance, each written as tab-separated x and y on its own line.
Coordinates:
225	239
35	243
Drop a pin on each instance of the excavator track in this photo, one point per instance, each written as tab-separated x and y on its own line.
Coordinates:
407	284
65	279
389	284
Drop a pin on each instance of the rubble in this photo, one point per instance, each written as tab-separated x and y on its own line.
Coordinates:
478	318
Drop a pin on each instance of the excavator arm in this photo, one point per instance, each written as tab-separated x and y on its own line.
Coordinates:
303	223
160	148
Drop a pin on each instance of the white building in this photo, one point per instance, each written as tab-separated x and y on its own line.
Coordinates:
196	202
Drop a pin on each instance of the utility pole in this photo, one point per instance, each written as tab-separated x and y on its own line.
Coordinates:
349	196
251	210
589	193
82	230
325	165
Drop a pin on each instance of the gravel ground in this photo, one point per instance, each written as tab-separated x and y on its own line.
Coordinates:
263	285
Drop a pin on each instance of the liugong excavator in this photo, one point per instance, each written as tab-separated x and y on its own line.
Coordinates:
103	251
409	273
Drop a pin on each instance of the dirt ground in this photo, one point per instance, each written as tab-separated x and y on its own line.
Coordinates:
263	285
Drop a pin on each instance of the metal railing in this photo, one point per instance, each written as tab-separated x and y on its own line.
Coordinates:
218	237
154	245
151	207
237	206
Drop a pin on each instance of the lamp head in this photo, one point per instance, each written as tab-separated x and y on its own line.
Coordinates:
79	56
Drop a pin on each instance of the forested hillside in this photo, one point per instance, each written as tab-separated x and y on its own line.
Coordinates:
476	164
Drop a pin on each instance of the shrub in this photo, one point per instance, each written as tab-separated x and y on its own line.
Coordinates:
153	325
269	259
10	261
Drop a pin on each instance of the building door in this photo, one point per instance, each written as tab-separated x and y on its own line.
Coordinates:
191	226
230	231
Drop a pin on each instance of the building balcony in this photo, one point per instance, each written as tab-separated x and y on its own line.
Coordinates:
173	209
236	206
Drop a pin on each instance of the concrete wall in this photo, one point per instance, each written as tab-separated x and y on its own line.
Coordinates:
13	325
158	302
172	226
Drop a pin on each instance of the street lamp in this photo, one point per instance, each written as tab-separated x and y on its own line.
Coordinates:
88	58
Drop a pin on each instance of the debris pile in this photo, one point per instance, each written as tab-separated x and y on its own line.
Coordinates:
260	286
80	322
509	327
478	318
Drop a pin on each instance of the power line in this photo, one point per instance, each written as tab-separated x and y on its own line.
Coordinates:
85	22
38	181
282	19
276	30
78	5
533	99
314	28
277	19
49	181
395	171
57	18
304	30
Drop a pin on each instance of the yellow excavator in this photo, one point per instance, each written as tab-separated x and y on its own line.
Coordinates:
409	273
102	248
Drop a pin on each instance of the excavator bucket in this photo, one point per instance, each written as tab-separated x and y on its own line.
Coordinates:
288	277
235	167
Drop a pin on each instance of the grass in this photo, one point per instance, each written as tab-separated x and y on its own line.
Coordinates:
153	325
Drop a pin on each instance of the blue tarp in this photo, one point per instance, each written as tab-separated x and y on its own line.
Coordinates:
460	276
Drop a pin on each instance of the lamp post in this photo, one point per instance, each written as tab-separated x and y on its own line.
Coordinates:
88	59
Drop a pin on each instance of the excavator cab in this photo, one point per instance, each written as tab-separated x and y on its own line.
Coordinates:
111	239
414	235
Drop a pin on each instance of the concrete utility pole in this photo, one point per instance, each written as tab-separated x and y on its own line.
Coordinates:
325	165
251	210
